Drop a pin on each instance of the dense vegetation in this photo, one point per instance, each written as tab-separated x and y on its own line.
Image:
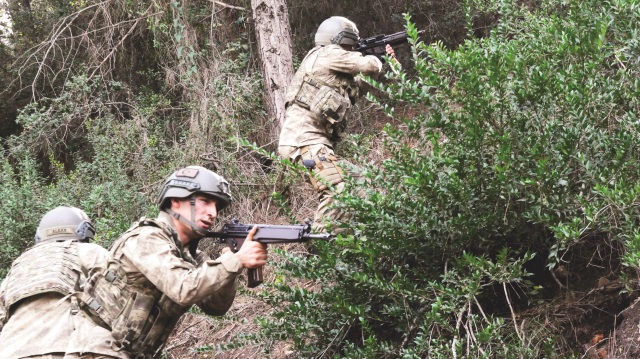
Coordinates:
505	180
523	144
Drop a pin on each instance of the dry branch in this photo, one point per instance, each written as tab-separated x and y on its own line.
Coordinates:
228	6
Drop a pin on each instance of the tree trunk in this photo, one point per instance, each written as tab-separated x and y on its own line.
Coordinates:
274	41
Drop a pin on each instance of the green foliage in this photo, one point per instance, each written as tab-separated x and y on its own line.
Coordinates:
104	145
25	196
521	145
524	141
99	169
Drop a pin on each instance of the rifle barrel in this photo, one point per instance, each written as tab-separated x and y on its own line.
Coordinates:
318	236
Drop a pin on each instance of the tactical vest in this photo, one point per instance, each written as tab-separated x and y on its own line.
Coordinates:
46	267
139	315
331	102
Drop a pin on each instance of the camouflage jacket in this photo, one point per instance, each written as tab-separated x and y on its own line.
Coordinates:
151	281
321	94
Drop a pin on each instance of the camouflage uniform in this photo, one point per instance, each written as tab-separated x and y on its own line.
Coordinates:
151	281
41	323
318	99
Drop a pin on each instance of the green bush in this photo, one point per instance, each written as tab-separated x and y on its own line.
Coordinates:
94	163
523	143
24	198
83	148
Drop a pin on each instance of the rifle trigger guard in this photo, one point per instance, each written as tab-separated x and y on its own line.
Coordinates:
233	244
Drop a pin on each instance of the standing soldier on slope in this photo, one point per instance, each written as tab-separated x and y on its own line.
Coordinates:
156	273
318	99
41	319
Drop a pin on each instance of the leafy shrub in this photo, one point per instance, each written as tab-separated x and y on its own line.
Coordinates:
24	198
523	143
98	147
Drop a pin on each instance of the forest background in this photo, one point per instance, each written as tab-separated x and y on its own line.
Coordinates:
500	217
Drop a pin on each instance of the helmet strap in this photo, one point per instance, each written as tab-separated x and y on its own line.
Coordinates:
191	223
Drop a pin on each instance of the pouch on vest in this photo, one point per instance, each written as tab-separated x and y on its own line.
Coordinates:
128	313
330	105
135	321
325	173
306	94
105	296
163	323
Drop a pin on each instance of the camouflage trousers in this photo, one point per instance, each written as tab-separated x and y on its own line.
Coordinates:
70	356
327	178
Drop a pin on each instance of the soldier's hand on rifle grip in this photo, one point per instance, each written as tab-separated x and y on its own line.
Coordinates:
252	254
391	52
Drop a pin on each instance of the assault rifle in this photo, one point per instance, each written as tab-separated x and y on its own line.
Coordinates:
376	45
234	233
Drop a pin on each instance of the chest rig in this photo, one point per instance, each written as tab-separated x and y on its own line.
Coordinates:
139	315
329	101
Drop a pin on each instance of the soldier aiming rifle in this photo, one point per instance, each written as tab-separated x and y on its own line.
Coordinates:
319	100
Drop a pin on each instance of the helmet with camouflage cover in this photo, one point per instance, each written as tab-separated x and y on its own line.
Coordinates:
65	223
337	30
187	183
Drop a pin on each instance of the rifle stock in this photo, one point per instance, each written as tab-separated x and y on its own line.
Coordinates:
233	234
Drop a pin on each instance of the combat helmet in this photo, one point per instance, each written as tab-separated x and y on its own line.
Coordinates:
65	223
187	183
337	30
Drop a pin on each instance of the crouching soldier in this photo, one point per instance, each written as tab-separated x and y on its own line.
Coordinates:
156	273
39	316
